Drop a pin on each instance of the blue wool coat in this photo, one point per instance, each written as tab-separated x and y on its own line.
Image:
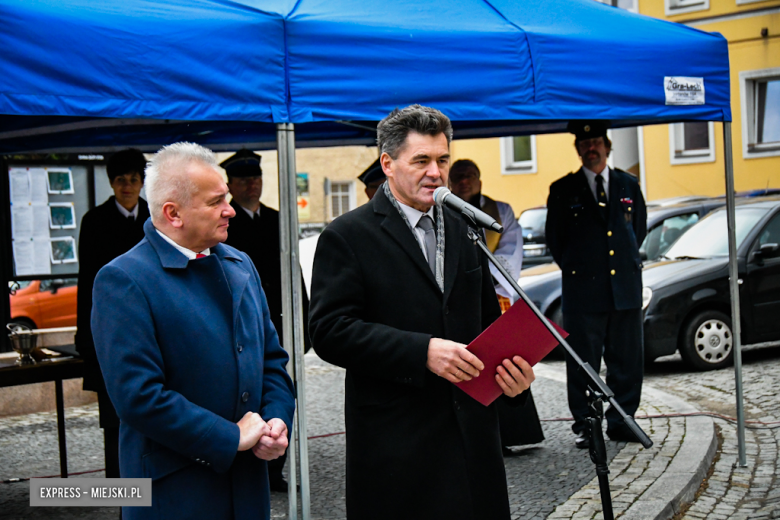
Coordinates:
186	349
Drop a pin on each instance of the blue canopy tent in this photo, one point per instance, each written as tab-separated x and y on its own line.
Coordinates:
80	75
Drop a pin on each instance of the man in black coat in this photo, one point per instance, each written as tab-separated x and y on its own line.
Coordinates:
398	290
107	231
255	231
596	220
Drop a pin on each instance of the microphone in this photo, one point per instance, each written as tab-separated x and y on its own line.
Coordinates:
443	196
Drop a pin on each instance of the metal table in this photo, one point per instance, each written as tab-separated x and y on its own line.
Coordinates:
41	372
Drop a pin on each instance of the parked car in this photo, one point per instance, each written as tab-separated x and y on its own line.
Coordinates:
535	249
664	224
686	294
43	304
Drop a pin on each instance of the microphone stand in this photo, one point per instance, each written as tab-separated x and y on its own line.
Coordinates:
598	392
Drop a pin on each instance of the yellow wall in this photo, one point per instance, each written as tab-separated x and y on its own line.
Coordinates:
748	50
555	158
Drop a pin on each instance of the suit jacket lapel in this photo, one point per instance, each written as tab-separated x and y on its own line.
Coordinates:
394	225
237	278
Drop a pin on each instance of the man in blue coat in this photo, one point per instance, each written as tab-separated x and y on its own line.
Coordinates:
190	357
596	219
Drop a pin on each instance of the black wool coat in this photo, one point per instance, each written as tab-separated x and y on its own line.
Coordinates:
105	234
260	241
599	259
417	446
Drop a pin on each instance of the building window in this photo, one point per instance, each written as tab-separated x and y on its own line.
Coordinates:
685	6
518	154
760	96
342	198
628	5
691	143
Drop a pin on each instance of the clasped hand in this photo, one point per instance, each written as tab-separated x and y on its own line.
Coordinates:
267	440
455	363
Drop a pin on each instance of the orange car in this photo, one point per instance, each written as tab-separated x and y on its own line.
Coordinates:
43	304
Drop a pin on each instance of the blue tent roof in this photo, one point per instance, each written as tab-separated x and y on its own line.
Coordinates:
85	75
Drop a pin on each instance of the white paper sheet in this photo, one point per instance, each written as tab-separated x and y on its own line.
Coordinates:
23	257
41	260
22	221
40	220
20	185
39	189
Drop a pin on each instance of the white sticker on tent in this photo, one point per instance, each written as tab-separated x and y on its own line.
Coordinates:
684	91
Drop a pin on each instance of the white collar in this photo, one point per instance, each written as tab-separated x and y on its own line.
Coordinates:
124	212
414	215
591	175
190	254
249	211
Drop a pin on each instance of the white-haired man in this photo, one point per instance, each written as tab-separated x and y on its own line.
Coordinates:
190	357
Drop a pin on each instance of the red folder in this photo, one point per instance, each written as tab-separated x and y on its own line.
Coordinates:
518	332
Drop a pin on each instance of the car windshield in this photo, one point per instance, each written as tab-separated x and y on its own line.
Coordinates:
533	219
709	237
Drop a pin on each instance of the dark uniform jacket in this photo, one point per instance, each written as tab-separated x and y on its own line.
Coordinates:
260	240
105	234
417	446
599	259
188	348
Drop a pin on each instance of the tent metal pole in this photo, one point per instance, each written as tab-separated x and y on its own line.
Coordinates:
292	316
734	282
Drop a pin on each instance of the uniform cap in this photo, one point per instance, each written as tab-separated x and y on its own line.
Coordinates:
588	129
243	163
372	174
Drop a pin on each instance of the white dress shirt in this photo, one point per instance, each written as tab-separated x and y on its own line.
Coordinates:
591	176
125	213
190	254
414	216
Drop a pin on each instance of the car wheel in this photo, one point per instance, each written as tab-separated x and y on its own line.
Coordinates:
707	342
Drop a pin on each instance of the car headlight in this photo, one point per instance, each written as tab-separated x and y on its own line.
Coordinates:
647	295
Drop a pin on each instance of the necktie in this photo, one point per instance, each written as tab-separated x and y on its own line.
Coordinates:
256	217
131	218
601	197
426	224
200	255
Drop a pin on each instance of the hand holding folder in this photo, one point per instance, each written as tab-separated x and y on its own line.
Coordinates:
518	332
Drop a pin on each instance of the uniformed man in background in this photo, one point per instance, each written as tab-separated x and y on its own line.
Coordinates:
255	231
373	177
596	219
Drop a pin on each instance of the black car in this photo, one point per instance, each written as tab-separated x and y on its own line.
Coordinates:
686	293
665	223
535	250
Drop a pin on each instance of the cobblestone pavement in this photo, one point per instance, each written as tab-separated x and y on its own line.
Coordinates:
550	480
539	479
730	492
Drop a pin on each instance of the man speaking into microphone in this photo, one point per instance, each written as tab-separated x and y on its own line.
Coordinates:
398	291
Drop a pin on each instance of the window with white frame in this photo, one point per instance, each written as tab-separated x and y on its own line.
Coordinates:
691	143
342	198
760	96
518	154
628	5
673	7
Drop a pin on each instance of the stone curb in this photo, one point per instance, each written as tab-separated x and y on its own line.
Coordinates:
681	479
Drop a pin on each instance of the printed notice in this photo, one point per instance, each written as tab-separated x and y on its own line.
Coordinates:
31	257
20	185
91	492
684	91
